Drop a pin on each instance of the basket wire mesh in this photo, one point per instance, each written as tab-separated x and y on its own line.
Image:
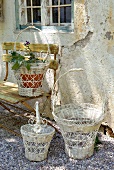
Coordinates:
79	122
37	138
30	82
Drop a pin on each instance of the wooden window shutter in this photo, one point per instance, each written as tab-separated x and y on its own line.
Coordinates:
22	12
72	14
1	10
44	12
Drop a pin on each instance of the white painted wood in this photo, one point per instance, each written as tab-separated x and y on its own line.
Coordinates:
59	13
50	10
1	10
25	4
31	13
22	12
44	12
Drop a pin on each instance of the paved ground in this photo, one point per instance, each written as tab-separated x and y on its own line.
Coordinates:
12	156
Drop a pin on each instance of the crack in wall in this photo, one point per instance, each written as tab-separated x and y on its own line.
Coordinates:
83	42
80	43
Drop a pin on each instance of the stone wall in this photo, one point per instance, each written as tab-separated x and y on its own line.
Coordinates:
90	46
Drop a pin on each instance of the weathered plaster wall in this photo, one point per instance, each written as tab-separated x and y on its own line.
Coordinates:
90	47
93	50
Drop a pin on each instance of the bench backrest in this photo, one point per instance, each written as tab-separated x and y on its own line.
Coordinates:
8	46
34	47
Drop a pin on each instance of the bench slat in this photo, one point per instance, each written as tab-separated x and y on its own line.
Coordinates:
54	48
9	93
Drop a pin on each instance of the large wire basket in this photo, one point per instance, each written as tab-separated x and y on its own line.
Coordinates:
79	124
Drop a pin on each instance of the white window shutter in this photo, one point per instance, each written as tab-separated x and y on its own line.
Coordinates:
44	12
22	12
1	10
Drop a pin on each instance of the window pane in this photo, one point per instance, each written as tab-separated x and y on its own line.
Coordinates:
28	2
65	2
37	15
29	15
55	15
54	2
62	2
36	2
65	15
58	12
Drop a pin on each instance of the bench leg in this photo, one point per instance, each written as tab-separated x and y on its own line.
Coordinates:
28	107
9	130
4	106
13	112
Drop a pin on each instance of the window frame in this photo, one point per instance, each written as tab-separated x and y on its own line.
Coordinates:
49	28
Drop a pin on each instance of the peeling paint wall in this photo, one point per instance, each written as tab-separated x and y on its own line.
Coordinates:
90	47
93	50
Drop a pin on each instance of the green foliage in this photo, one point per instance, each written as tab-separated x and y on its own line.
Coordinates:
97	142
18	60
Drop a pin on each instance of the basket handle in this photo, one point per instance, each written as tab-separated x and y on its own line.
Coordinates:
31	27
105	99
71	70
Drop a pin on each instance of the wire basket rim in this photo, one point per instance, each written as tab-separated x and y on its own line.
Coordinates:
52	130
100	119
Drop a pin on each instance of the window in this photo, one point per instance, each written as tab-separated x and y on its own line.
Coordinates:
46	13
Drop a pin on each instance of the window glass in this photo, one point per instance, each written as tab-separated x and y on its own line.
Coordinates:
65	2
36	2
65	15
55	15
28	15
28	2
37	15
54	2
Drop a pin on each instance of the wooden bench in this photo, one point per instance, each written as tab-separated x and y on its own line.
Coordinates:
9	91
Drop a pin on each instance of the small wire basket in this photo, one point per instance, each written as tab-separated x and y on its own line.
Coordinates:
37	138
79	123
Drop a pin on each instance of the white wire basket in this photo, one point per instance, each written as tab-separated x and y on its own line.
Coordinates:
79	124
30	82
36	139
36	144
